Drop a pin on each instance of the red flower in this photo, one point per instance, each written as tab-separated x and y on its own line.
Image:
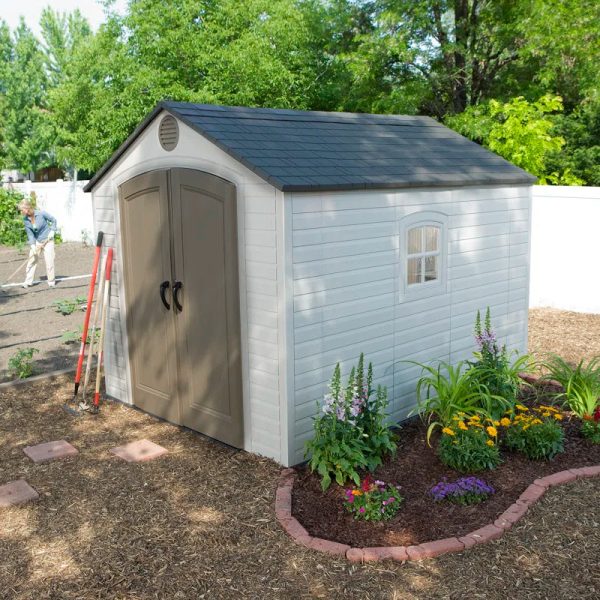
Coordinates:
597	414
366	484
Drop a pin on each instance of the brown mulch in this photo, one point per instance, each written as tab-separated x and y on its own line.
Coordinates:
416	468
199	523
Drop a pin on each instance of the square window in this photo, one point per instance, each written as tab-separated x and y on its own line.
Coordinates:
415	240
414	270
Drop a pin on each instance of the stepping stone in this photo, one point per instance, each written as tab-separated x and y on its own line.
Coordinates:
139	451
17	492
50	451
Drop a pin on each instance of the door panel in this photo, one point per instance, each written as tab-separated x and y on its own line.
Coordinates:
144	206
208	329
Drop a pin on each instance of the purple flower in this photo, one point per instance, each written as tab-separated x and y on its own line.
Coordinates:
361	509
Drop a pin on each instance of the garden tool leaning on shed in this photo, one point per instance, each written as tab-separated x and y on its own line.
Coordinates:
86	322
102	329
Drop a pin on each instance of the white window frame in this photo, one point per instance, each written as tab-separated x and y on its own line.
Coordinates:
426	288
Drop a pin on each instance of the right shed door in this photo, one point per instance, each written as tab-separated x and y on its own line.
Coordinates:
200	333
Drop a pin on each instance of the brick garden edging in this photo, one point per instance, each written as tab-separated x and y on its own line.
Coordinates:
492	531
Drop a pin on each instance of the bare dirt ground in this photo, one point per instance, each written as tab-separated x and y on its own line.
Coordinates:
199	522
27	317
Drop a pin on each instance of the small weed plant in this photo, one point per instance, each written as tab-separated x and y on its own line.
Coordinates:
74	336
465	491
20	365
373	500
350	433
68	306
470	444
494	368
536	433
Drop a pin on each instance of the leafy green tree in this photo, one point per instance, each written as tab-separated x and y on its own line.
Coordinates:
520	131
5	60
25	134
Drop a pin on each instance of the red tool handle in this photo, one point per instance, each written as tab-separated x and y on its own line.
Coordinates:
88	311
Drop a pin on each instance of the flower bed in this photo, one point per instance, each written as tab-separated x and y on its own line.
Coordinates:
417	469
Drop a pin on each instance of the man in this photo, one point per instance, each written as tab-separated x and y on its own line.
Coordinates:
40	227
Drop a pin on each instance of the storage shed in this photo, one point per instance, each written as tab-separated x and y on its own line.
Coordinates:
255	248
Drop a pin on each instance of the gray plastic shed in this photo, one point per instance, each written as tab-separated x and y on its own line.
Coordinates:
255	248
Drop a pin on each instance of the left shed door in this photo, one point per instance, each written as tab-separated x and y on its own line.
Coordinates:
144	205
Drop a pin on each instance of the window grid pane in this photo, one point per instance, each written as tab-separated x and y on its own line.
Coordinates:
414	270
430	265
415	240
431	238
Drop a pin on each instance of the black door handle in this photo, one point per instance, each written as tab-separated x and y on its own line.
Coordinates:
176	287
163	286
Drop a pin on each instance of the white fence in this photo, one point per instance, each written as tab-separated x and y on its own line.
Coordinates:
66	201
565	248
565	238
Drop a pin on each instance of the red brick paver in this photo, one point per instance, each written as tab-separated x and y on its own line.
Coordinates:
139	451
428	549
17	492
50	451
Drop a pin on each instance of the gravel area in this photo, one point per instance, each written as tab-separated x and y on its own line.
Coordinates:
27	317
200	523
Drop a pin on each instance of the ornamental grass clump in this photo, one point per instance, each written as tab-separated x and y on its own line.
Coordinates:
465	491
470	444
536	433
373	500
350	433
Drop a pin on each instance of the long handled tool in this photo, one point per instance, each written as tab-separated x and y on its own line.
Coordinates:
97	309
109	258
88	311
38	250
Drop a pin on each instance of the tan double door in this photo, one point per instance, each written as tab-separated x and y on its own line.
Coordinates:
179	239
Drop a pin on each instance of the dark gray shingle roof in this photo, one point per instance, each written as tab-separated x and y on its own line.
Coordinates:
310	151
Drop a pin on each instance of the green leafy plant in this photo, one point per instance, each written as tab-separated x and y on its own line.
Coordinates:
12	232
470	444
536	433
373	500
20	365
495	370
591	427
68	306
74	336
581	383
445	391
349	430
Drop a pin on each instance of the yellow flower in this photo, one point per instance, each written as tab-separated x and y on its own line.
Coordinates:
496	423
526	427
558	416
505	422
475	418
356	493
492	431
456	418
536	422
448	431
521	407
462	426
490	443
546	414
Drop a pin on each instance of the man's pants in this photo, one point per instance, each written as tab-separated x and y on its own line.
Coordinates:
34	255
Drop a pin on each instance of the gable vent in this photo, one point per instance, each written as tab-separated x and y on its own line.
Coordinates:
168	133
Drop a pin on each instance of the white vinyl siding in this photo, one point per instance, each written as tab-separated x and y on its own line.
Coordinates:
348	263
259	284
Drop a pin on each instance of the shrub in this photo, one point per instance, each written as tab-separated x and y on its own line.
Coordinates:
373	500
470	445
12	232
536	433
20	365
494	367
445	391
466	491
349	431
